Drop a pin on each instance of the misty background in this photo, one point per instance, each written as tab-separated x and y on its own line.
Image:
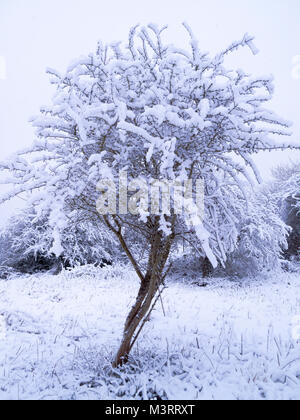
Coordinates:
36	34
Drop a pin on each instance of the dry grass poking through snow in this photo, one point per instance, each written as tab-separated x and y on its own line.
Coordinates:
229	340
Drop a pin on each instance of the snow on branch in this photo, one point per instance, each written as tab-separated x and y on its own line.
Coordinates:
156	111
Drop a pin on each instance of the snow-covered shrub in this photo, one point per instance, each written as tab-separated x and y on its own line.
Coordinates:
88	270
27	244
3	250
284	192
291	265
292	219
262	238
7	272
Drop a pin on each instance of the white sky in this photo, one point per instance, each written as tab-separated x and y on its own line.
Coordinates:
35	34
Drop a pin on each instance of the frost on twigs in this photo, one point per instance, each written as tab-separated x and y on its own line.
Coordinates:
158	112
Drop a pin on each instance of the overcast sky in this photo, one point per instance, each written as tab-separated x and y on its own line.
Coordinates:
35	34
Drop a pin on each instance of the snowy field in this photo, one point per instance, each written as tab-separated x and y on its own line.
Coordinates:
229	340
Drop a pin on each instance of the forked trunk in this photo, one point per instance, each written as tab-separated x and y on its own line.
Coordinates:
136	318
150	284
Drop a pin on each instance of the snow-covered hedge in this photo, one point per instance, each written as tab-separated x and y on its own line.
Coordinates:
262	239
26	244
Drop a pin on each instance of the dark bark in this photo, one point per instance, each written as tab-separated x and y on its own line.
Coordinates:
207	268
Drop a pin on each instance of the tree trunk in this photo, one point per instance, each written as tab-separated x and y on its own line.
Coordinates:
150	283
136	316
207	268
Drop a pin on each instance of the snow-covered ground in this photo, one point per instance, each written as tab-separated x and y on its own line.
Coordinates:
229	340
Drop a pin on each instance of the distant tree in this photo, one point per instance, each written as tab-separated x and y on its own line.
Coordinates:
158	113
262	237
285	192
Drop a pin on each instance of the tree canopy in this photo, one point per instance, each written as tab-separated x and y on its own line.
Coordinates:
156	112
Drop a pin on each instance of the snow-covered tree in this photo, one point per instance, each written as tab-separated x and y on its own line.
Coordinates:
156	112
284	191
262	237
27	241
